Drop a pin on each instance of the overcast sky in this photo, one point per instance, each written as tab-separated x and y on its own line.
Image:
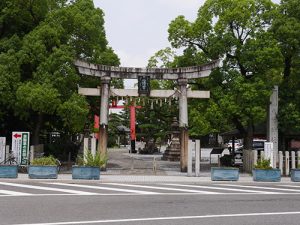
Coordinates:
136	29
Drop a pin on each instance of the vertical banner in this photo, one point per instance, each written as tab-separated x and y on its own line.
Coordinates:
2	149
20	147
96	125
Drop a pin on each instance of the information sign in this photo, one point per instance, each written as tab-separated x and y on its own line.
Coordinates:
20	147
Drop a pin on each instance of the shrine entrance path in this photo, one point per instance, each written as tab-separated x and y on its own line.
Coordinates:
121	162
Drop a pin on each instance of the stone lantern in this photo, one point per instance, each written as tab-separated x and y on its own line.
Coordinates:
172	152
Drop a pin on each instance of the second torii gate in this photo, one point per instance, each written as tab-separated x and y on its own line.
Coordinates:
182	75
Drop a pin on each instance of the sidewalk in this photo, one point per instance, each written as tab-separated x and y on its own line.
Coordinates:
135	168
106	178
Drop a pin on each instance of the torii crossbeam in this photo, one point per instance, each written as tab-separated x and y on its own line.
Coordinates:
182	75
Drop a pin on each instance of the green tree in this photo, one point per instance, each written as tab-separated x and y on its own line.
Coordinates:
286	29
235	31
37	54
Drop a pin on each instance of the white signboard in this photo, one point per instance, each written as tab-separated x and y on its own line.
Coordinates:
2	149
20	147
269	152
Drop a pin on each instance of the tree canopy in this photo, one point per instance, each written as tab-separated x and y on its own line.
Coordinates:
239	32
39	41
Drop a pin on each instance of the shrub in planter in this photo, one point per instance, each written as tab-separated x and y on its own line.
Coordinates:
224	174
8	171
264	172
43	168
295	174
89	167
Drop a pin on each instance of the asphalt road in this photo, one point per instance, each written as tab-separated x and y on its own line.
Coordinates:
59	203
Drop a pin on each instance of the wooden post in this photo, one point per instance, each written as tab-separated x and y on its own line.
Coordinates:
298	159
197	158
293	156
183	124
255	157
287	163
281	162
104	116
85	146
93	146
190	158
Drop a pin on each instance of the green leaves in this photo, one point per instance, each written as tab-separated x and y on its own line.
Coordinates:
89	159
44	161
73	112
39	41
41	98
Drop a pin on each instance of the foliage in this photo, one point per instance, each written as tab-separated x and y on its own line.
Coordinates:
90	160
39	41
44	161
264	164
235	31
286	29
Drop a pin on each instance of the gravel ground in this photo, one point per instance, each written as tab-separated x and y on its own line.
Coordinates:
122	162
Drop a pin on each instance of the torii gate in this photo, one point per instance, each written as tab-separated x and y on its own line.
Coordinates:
182	75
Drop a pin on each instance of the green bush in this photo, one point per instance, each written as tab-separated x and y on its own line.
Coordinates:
264	164
89	160
44	161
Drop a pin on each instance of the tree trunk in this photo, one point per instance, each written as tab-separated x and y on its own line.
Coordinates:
36	130
248	138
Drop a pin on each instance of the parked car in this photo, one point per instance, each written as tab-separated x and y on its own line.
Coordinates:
237	144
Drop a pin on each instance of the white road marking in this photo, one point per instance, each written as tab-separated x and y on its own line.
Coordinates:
220	188
285	185
166	218
164	188
47	188
14	193
106	188
259	187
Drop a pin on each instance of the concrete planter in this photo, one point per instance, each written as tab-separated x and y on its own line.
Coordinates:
8	171
42	172
224	174
269	175
295	175
85	172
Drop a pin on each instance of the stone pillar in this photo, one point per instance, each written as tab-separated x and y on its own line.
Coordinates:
183	124
272	129
104	107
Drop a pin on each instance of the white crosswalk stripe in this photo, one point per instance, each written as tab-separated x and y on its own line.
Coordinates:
10	189
47	188
14	193
287	185
220	188
260	187
164	188
106	188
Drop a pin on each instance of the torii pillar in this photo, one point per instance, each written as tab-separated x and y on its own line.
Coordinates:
183	123
104	106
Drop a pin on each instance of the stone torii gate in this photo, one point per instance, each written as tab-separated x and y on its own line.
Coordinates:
182	75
